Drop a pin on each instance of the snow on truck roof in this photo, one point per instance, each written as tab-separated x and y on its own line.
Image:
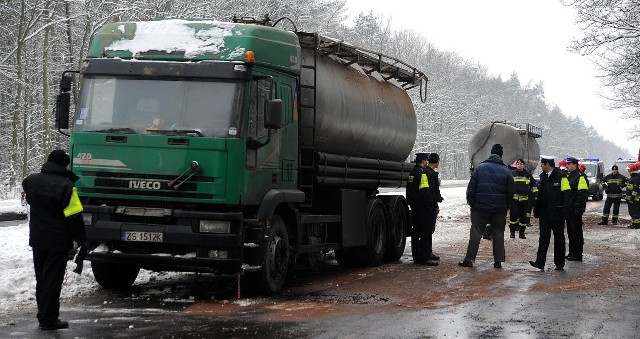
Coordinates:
175	35
196	40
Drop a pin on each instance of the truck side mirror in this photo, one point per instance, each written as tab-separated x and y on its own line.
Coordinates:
62	110
273	115
65	83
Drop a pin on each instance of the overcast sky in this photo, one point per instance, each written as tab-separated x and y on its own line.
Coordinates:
528	37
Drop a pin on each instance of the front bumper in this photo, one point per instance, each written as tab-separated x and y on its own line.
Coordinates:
183	247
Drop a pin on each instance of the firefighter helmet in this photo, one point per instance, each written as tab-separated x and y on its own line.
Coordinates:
562	163
582	167
632	168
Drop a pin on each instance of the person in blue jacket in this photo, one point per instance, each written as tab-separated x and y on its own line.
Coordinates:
489	194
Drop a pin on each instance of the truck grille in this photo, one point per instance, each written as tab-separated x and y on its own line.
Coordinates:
136	184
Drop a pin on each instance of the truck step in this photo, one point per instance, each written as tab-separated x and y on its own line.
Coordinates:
316	218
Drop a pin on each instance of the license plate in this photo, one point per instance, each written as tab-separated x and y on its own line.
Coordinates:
142	236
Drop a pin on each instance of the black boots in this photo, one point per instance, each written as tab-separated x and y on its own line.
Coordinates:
466	263
59	324
512	233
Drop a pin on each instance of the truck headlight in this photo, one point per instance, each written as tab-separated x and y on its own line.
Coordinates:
215	226
593	180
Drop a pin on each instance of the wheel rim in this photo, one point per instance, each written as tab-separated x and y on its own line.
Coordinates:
400	221
277	256
379	226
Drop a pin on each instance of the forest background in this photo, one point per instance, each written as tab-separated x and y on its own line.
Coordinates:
39	39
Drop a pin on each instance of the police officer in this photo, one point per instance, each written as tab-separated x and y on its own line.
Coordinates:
613	184
55	222
551	208
423	204
579	195
521	203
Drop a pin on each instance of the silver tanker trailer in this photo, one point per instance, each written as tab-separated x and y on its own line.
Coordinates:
517	140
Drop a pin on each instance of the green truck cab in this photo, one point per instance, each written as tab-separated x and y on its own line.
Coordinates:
190	142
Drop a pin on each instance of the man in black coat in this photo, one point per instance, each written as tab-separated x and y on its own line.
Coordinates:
423	204
489	195
55	222
552	208
433	162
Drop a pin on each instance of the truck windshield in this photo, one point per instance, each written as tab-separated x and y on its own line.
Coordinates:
130	105
591	170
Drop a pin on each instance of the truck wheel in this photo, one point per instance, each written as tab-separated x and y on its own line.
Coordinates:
372	254
114	276
275	263
397	235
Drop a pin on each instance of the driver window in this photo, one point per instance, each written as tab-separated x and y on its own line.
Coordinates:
259	96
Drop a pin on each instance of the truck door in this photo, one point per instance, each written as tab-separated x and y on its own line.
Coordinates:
263	146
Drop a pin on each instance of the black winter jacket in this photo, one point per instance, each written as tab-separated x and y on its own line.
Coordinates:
48	193
523	185
418	192
613	185
579	191
434	184
554	196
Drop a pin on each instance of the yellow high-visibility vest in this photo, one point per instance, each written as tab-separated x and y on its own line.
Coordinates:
75	206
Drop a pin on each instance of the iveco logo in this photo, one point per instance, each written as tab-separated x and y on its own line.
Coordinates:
149	185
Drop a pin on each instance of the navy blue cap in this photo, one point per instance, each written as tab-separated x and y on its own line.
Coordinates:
572	160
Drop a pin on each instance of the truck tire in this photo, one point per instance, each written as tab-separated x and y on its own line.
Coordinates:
372	254
397	228
114	276
275	263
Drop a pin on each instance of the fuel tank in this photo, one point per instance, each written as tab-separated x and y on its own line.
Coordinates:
355	114
517	140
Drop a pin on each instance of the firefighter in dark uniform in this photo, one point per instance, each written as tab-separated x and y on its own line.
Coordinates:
633	194
55	222
520	208
613	184
551	210
579	194
423	211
